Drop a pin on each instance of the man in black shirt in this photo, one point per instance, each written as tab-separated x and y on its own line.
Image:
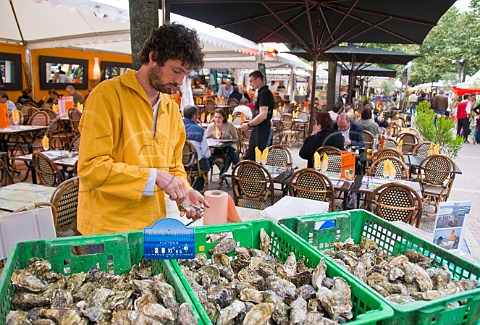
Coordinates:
260	124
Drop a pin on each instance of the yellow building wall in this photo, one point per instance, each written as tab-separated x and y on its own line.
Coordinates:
57	52
71	54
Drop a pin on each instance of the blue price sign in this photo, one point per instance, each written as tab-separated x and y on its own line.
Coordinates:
169	239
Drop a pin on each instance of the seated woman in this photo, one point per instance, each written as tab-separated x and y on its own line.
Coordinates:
367	123
324	135
226	131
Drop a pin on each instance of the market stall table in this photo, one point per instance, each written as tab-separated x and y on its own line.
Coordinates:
18	195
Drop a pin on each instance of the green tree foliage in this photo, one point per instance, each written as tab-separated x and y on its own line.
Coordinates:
456	36
437	129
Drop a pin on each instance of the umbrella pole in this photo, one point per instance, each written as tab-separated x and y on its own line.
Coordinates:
313	110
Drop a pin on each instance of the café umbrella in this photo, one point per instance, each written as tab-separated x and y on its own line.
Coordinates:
317	26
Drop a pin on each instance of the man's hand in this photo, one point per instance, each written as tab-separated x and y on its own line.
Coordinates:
244	127
173	186
348	142
196	199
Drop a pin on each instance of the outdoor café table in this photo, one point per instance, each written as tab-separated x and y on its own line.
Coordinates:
219	143
18	195
22	131
341	185
27	159
415	161
67	164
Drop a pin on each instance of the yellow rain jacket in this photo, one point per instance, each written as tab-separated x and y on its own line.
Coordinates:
117	152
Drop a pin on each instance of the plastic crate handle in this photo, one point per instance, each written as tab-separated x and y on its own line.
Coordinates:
74	254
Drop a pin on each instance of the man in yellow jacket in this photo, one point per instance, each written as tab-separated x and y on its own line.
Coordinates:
132	136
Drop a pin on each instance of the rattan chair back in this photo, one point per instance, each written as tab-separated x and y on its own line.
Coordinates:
74	116
397	202
191	163
421	149
278	155
334	158
65	201
210	106
401	170
39	119
436	169
232	102
47	172
409	142
302	116
368	139
390	143
75	145
252	185
389	152
311	184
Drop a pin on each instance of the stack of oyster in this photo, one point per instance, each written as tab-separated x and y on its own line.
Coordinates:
254	288
400	278
46	297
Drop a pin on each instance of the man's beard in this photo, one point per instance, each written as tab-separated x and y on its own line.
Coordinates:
156	82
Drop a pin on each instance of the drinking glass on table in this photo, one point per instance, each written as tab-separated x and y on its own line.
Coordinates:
15	118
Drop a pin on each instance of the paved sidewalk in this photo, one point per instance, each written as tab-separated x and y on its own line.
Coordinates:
466	187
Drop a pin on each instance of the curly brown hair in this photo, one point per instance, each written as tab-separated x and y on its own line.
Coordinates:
324	120
173	42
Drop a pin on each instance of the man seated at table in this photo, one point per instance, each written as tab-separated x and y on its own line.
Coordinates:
225	90
77	97
243	108
236	94
11	105
352	133
323	135
197	136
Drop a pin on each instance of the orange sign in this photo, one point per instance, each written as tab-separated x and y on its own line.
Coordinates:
347	168
4	120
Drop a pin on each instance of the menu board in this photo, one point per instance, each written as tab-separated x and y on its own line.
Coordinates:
347	167
449	224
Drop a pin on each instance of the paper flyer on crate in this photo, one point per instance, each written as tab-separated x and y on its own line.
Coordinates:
450	223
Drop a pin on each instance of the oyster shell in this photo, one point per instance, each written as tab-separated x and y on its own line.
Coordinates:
230	312
298	311
319	274
185	315
227	245
290	265
265	241
259	314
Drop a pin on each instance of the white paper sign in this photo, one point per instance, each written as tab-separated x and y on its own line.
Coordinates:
449	224
22	226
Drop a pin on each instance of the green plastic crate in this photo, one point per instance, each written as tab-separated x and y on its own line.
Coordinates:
393	240
367	308
121	251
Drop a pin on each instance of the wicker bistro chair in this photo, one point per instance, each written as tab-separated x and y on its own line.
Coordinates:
288	129
409	142
389	152
396	202
232	102
421	149
65	201
311	184
75	145
390	143
74	116
334	158
368	139
47	172
59	139
279	156
253	186
191	163
209	107
437	173
400	168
